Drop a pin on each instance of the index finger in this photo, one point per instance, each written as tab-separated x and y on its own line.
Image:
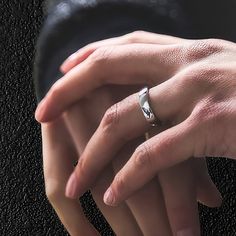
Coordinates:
124	64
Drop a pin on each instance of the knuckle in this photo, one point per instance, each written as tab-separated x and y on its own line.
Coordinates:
134	37
201	112
199	49
209	112
110	119
203	76
213	45
211	120
209	71
101	55
142	156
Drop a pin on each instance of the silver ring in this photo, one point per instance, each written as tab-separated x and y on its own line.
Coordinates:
145	106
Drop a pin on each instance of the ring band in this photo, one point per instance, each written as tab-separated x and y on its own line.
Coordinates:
145	106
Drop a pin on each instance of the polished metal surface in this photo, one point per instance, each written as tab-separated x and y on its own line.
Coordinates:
145	106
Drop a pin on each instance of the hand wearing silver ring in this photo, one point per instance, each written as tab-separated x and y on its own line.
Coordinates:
193	91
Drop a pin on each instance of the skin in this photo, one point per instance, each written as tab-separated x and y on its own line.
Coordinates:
59	144
172	63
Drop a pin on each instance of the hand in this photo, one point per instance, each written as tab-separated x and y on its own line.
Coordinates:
59	154
54	87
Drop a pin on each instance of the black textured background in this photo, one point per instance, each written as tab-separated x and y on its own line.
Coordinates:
24	209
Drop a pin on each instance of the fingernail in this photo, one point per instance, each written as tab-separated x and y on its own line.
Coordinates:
185	232
109	197
71	187
39	111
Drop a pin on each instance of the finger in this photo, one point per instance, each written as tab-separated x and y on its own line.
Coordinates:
104	144
58	158
124	121
147	205
125	64
134	37
81	129
179	191
179	194
182	185
120	218
162	151
207	192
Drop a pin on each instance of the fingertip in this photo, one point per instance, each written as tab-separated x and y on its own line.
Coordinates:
109	197
39	112
47	111
218	198
209	195
212	204
72	187
41	115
